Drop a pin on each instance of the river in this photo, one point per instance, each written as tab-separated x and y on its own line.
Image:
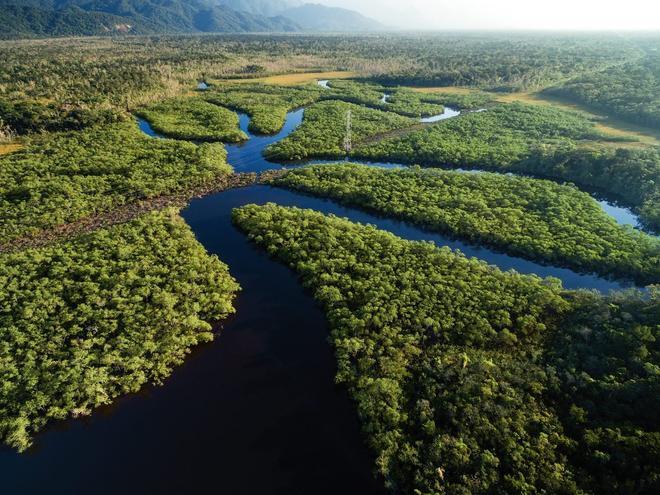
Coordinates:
256	411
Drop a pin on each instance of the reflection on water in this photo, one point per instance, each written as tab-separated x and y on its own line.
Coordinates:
623	215
447	114
248	157
147	129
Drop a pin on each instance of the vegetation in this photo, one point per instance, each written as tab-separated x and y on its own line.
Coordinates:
502	63
399	100
533	218
630	174
323	131
61	178
631	91
193	119
535	140
461	374
464	100
25	117
604	380
467	380
266	105
87	320
137	70
24	18
503	135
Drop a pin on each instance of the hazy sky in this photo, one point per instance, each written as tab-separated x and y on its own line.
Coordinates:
510	14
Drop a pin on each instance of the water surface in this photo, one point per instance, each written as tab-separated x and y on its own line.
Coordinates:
255	412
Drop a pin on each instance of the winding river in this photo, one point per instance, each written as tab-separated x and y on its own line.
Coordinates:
255	412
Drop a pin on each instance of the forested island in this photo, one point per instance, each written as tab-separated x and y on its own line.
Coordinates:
186	262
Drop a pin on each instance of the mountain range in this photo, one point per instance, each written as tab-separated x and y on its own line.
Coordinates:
38	18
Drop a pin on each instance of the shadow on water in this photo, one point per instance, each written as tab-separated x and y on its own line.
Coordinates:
255	412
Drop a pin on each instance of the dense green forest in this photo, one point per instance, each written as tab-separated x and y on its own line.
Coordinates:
630	91
63	177
497	138
115	70
399	100
468	379
100	316
323	131
628	173
266	105
193	119
536	140
537	219
25	117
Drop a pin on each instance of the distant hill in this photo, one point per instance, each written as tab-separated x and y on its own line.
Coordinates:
260	7
309	16
28	18
315	17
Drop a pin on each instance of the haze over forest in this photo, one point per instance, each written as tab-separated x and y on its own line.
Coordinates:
509	14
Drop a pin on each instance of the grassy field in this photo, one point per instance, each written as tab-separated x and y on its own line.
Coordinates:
295	79
445	89
610	125
5	149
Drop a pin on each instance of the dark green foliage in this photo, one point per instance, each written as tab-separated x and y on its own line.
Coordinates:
356	92
29	117
87	320
537	219
400	100
430	345
266	105
323	130
62	178
631	91
193	119
510	62
534	140
413	104
608	386
627	173
474	100
112	69
473	381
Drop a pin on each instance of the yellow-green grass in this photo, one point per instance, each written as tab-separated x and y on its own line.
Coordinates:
295	79
607	124
5	149
445	89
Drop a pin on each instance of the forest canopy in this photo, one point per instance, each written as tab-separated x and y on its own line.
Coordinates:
193	119
87	320
323	131
64	177
630	91
468	379
533	218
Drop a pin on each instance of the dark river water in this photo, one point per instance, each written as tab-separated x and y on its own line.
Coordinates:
256	411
